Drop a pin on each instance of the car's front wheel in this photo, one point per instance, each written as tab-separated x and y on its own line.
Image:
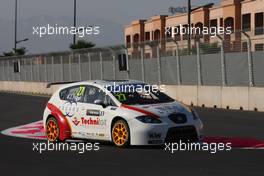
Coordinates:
52	130
120	133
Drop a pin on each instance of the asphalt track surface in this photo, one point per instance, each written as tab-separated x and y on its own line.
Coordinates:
17	157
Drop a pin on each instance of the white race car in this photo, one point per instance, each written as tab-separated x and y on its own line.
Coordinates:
126	112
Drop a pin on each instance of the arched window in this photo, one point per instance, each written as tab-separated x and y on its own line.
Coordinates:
229	22
157	34
198	30
136	38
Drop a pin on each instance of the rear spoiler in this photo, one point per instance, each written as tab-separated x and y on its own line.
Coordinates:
59	83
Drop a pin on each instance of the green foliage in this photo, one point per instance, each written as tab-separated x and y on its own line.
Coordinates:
16	52
184	51
81	44
20	51
207	48
8	54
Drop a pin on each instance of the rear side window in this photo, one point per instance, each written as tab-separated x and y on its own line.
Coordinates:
75	93
63	94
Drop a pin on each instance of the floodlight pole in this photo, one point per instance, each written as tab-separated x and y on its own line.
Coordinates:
189	26
74	21
15	40
190	10
15	25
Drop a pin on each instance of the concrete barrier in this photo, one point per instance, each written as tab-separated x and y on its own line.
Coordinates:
235	97
245	98
27	87
186	94
209	96
256	98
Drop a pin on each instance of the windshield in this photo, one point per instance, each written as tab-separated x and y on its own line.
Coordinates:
142	97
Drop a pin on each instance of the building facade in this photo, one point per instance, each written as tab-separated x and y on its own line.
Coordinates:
243	17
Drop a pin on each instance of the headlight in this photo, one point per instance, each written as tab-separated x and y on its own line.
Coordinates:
195	115
148	119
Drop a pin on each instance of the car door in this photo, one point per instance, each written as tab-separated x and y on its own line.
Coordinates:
95	119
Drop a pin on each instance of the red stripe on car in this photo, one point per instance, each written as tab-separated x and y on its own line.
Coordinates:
65	129
140	110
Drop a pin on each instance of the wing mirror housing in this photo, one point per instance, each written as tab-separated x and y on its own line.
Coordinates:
101	103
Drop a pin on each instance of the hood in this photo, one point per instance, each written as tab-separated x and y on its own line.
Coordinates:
164	109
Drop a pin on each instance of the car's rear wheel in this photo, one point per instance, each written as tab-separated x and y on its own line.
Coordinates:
52	130
120	134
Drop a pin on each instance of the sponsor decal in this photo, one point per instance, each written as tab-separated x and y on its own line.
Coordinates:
76	94
94	112
121	97
69	108
100	134
91	135
81	91
154	138
76	121
154	135
86	134
91	121
167	109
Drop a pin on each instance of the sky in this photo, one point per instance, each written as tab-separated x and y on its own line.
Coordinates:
110	15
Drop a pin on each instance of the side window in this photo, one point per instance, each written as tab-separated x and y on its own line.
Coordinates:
94	93
63	94
75	93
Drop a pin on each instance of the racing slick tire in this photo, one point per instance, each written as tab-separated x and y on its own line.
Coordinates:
120	134
52	130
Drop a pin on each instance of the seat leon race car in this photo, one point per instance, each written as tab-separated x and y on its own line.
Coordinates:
126	112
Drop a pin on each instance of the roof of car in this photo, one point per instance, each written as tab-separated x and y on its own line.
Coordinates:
103	83
115	82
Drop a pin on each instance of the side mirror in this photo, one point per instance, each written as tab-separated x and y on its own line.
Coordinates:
100	102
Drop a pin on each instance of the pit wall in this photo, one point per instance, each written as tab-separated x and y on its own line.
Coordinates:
246	98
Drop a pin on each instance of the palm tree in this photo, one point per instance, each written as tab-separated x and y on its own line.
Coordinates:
16	52
81	44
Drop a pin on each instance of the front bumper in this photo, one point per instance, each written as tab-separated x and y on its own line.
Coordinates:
158	134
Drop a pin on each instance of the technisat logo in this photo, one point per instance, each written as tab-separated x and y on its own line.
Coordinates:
93	121
75	121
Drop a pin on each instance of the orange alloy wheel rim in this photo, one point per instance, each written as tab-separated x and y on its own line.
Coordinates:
52	130
120	134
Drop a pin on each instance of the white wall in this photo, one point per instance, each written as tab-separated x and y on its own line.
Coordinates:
248	98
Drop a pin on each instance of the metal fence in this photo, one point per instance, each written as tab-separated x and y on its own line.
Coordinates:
164	62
